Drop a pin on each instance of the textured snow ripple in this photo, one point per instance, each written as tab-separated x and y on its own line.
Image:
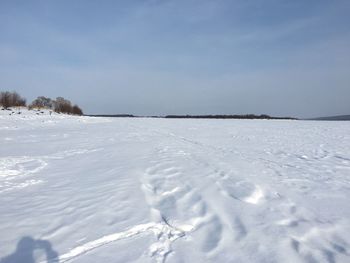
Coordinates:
20	166
16	169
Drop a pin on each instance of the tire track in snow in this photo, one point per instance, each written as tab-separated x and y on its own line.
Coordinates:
165	233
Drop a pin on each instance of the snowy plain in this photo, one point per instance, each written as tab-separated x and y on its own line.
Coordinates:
83	189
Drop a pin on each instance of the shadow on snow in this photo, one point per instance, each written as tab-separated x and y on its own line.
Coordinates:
27	247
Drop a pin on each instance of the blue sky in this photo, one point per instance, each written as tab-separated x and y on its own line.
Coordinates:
160	57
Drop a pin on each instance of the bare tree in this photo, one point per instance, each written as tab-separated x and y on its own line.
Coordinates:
62	105
76	110
5	99
11	99
42	102
17	100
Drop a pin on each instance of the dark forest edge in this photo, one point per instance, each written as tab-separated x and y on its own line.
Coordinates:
244	116
60	105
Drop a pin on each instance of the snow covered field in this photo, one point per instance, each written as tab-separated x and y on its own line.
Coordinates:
81	189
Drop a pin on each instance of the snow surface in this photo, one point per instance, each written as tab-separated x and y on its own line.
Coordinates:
82	189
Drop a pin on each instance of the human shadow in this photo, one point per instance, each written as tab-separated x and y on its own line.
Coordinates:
26	247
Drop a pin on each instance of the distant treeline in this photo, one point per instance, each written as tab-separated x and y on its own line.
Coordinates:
333	118
112	115
61	105
244	116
